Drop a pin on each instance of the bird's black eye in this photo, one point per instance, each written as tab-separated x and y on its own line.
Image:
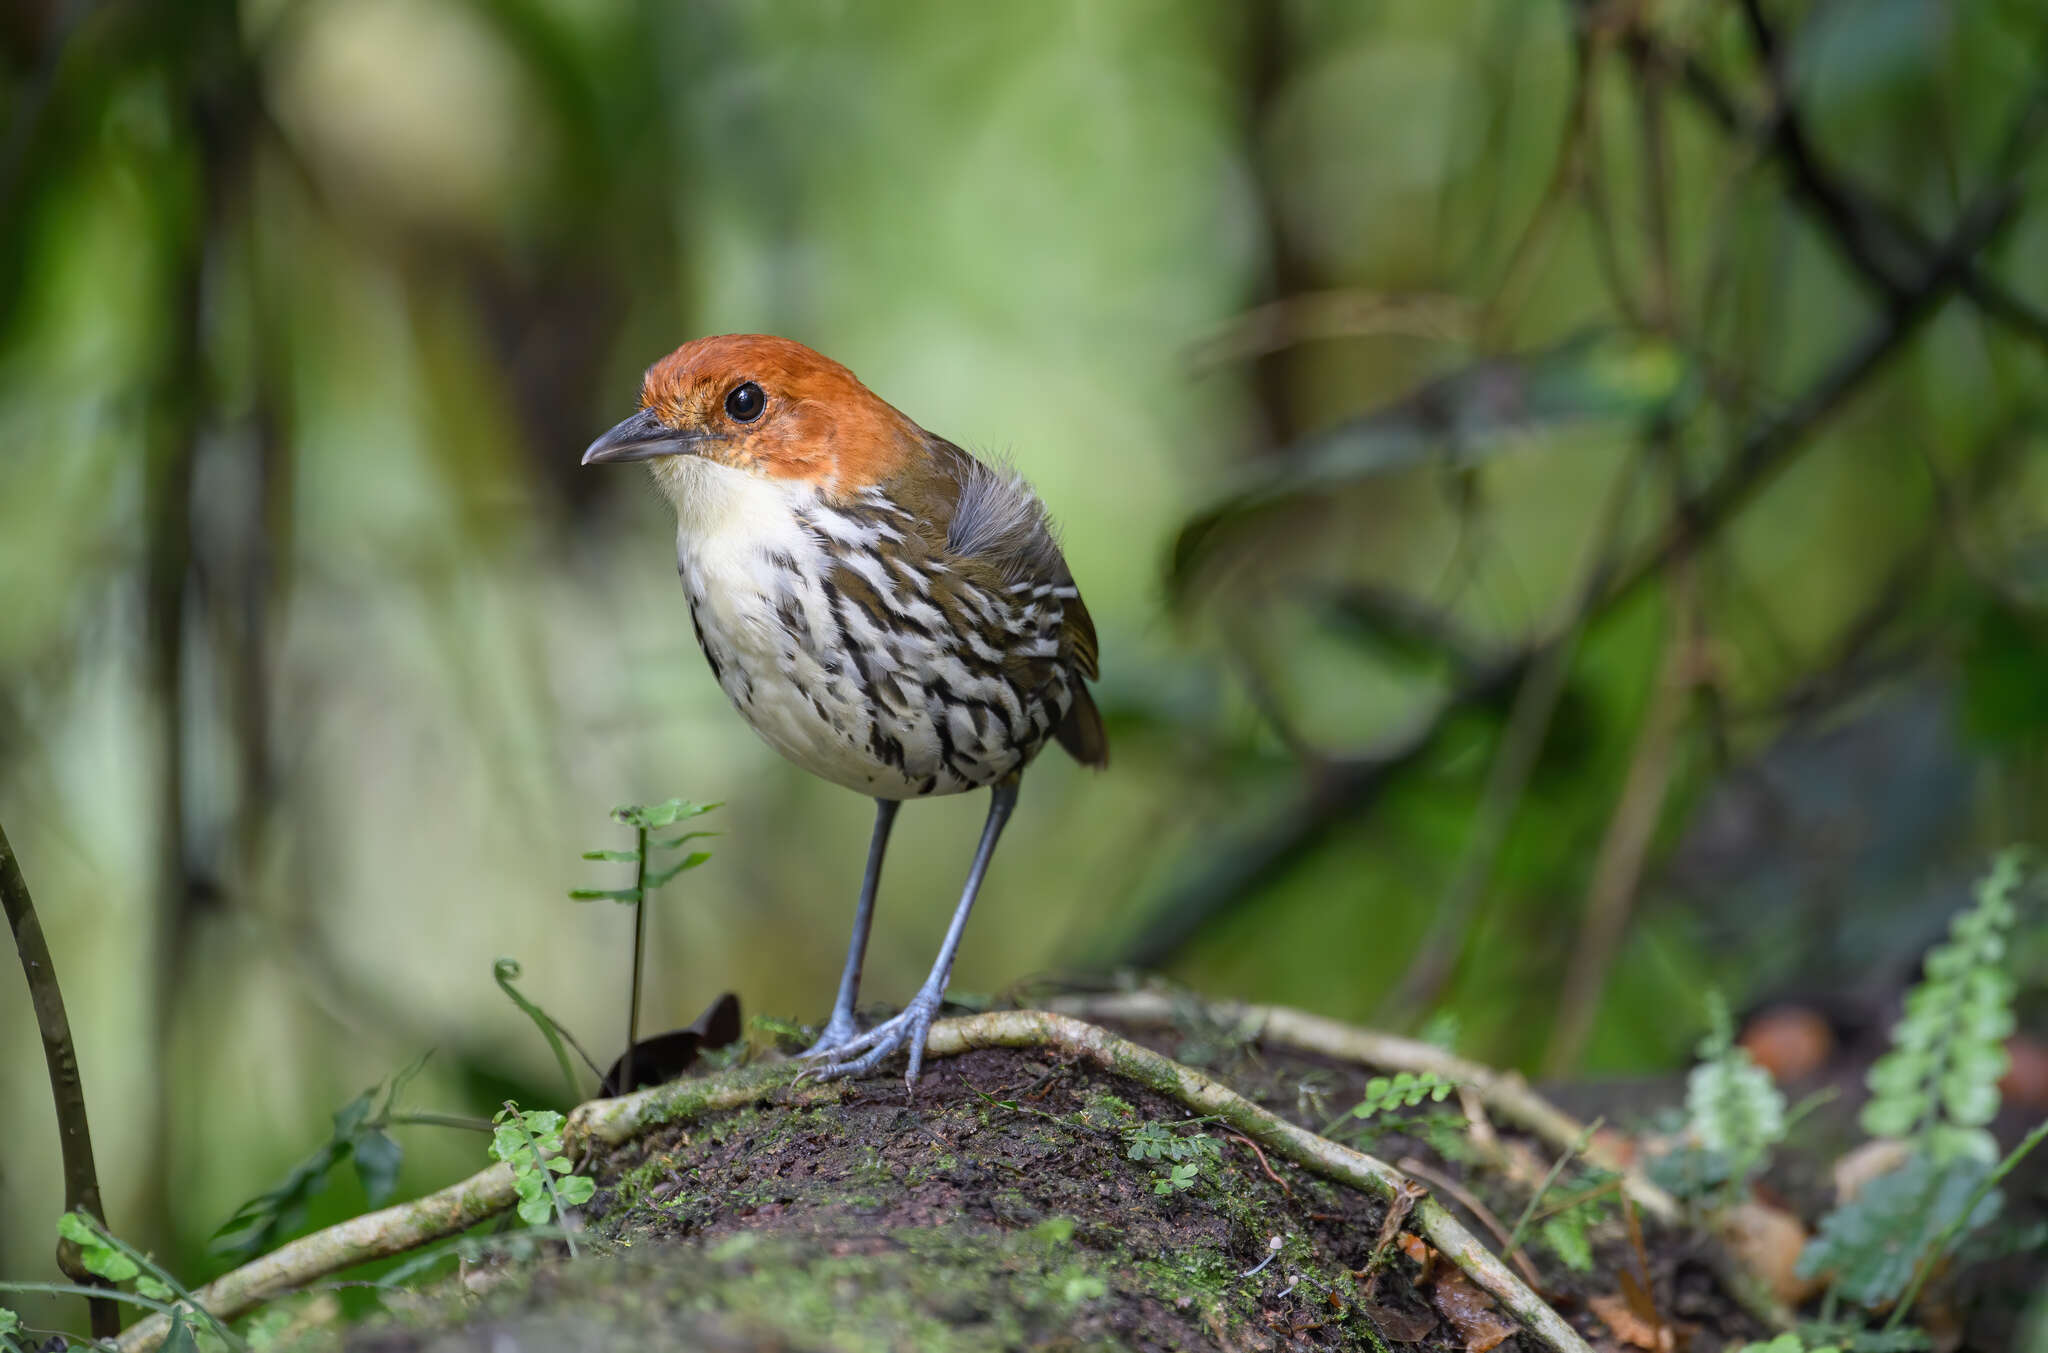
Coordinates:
745	402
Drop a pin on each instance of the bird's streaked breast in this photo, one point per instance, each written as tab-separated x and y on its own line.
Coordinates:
851	649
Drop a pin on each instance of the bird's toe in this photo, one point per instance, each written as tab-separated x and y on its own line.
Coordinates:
906	1030
838	1035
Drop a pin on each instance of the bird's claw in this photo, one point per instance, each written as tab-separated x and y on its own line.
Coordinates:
839	1031
906	1030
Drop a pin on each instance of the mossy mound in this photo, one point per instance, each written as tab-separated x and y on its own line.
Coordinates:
1004	1209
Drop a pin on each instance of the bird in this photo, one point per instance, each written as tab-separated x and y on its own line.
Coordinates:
885	609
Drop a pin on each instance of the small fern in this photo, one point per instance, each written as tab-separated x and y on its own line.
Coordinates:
1403	1090
1938	1085
1732	1108
1569	1233
530	1140
1935	1089
1184	1157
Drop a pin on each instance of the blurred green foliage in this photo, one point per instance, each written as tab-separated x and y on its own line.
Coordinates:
1388	366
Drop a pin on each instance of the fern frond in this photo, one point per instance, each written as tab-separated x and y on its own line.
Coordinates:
1732	1107
1938	1084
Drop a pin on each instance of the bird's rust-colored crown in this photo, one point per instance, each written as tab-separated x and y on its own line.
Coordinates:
818	422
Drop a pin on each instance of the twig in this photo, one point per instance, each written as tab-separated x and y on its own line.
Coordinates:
1625	847
374	1235
1285	1187
1567	169
1521	745
1294	320
67	1089
1390	1227
1437	1179
611	1121
423	1118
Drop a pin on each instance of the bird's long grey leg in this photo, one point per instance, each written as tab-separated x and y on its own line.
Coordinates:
909	1028
840	1029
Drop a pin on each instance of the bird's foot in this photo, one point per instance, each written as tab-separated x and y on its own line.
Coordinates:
906	1030
840	1030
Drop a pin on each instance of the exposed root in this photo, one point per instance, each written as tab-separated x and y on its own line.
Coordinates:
1504	1093
608	1122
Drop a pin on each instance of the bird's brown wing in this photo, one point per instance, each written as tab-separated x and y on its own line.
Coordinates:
994	529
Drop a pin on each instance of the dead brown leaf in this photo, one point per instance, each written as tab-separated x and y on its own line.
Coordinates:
1629	1327
1399	1326
1768	1240
1424	1257
1471	1312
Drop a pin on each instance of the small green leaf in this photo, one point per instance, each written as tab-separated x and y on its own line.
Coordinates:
9	1321
576	1189
353	1114
604	894
616	856
378	1157
535	1210
93	1251
1874	1244
1567	1239
690	861
507	1142
153	1288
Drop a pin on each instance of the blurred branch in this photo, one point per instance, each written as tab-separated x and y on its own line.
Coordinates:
1401	621
1268	53
1337	792
1879	240
1568	168
67	1090
1507	780
1334	793
1317	315
1650	80
1625	847
1768	448
1599	215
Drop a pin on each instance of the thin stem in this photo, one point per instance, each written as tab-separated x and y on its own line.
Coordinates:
504	971
625	1084
424	1119
67	1088
90	1294
164	1276
1556	1169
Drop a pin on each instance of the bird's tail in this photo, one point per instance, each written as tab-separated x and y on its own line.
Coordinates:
1081	731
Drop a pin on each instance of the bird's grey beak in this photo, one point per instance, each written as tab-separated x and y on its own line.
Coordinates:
641	437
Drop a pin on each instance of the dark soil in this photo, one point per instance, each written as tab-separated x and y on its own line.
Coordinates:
1004	1210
